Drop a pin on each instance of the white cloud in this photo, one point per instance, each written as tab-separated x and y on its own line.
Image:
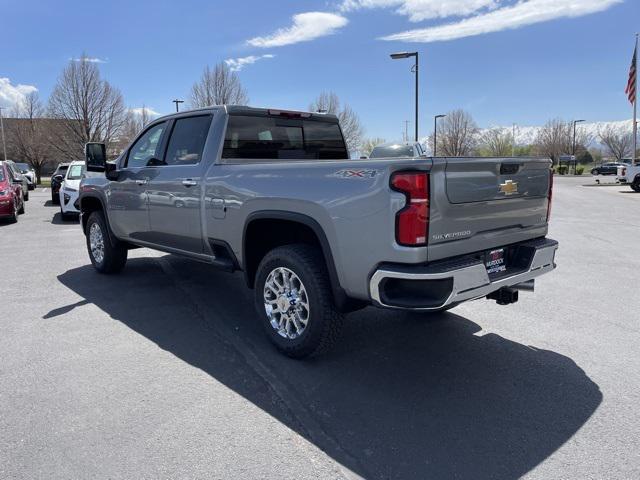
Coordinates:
237	64
91	59
150	112
526	12
306	26
419	10
12	95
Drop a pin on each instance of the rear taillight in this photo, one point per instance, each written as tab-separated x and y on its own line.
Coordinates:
412	222
550	195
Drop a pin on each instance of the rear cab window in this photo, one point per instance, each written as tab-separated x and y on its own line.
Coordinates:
267	138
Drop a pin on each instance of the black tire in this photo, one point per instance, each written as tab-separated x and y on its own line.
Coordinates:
324	322
26	196
21	210
14	217
594	171
54	199
635	186
114	258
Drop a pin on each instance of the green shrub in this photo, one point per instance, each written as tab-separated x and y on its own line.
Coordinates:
579	170
562	169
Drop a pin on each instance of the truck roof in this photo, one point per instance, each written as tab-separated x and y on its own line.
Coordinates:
246	110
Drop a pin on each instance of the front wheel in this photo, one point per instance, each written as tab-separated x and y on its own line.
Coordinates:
635	186
293	298
105	257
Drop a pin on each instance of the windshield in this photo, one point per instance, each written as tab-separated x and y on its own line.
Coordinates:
23	167
389	151
253	137
75	172
61	169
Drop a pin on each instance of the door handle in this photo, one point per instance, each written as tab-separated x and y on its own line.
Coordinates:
189	183
142	181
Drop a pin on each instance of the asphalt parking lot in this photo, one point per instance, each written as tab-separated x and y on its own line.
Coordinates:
163	372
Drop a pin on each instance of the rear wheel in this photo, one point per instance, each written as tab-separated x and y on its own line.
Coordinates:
26	196
293	298
14	218
105	257
635	186
21	209
54	198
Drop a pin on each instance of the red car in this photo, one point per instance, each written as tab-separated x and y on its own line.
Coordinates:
11	194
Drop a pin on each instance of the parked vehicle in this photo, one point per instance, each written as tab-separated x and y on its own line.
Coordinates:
631	175
28	171
19	177
316	234
610	168
398	149
68	194
11	194
56	181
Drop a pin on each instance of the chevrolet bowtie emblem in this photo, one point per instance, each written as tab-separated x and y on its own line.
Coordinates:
509	187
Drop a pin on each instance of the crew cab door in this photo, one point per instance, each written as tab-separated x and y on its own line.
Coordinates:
128	208
174	189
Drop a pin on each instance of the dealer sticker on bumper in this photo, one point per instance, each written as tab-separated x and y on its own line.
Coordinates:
494	261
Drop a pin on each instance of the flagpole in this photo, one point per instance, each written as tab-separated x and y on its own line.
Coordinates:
635	108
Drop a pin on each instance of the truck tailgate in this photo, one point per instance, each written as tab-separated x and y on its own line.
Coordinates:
482	203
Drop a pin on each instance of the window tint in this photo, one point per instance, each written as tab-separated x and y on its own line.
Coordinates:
75	172
23	167
1	173
146	147
275	138
187	140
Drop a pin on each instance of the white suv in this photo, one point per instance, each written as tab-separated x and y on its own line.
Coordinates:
69	189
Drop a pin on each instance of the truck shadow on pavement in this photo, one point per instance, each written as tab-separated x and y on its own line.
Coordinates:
401	396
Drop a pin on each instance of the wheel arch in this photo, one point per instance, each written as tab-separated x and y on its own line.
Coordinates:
90	204
291	228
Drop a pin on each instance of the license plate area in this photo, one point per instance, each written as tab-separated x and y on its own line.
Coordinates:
495	261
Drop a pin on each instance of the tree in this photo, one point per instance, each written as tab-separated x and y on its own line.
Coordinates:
618	142
135	121
368	144
93	110
497	142
329	102
555	138
29	134
457	134
219	86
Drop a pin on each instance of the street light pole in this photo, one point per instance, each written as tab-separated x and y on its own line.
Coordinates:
4	144
397	56
435	133
575	162
177	102
513	140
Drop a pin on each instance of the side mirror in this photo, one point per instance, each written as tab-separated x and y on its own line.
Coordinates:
96	156
111	170
58	178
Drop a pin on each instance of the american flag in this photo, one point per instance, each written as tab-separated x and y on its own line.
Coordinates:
631	84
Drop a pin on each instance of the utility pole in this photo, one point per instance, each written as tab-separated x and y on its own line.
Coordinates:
4	144
575	161
177	102
435	133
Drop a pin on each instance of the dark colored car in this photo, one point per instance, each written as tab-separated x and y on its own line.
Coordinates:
607	169
11	194
56	181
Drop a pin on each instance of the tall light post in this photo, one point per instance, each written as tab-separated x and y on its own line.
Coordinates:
177	102
4	144
400	55
435	133
573	149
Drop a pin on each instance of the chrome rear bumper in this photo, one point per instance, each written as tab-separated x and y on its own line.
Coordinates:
464	279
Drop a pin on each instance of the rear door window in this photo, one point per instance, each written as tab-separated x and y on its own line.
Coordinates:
188	137
253	137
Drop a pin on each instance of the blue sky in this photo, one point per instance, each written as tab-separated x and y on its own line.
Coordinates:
503	61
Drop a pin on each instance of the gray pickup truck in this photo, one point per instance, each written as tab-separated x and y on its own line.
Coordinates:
274	194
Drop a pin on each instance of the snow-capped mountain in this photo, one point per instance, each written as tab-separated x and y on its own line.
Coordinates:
526	135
